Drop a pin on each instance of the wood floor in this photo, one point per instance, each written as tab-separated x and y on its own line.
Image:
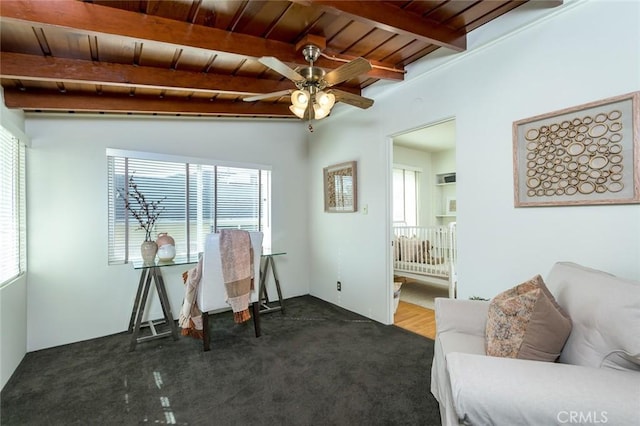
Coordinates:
416	319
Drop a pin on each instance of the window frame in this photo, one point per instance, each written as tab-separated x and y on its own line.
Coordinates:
13	255
190	240
415	196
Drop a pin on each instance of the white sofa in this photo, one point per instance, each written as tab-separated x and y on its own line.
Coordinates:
596	379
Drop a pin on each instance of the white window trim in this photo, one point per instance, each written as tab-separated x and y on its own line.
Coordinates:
407	167
159	157
21	206
154	156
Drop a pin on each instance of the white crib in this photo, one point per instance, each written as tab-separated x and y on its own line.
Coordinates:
426	254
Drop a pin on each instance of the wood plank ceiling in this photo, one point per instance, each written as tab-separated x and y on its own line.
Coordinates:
199	57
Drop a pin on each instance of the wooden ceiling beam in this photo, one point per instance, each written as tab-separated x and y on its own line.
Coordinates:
39	68
98	19
95	19
391	18
47	100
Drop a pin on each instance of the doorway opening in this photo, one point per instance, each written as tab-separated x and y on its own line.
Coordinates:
424	223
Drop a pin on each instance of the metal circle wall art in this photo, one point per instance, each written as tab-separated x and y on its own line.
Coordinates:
578	156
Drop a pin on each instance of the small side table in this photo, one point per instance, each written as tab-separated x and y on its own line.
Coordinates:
153	272
265	306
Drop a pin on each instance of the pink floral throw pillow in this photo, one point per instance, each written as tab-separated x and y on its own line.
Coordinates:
526	322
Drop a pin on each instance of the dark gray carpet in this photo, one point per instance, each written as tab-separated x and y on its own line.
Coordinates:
316	365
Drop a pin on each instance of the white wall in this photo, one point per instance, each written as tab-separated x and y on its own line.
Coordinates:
351	247
13	295
73	294
542	67
444	161
431	198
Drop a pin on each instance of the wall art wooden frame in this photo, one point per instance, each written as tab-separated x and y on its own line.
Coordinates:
340	188
585	155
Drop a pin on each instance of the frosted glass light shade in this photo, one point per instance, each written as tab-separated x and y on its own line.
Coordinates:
322	104
325	100
320	112
300	99
299	112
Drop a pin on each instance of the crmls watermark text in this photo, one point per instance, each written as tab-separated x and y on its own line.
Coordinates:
582	417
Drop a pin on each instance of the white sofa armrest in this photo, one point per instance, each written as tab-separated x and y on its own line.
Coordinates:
492	390
462	316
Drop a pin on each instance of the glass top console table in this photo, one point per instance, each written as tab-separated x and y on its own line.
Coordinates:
265	305
153	272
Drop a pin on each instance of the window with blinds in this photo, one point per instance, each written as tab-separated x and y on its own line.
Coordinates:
12	207
195	200
405	196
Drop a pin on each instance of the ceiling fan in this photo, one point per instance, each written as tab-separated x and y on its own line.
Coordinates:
311	100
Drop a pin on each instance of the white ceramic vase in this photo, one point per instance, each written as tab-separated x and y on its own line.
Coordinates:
166	247
166	252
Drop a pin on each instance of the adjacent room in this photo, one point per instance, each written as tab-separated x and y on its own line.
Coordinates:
424	223
410	169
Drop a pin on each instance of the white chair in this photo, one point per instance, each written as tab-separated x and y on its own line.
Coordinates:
212	294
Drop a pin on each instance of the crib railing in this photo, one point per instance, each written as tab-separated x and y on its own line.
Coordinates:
429	251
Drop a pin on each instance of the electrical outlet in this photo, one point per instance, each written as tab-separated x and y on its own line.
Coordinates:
339	286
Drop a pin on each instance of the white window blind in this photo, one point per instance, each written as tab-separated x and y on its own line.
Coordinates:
405	196
12	207
195	199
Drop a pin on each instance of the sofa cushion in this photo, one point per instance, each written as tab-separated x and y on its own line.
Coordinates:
506	391
526	322
605	311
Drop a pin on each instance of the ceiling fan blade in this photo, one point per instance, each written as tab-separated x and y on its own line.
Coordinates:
267	95
281	68
347	71
351	99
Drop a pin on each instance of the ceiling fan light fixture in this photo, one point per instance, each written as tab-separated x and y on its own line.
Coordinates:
298	111
320	112
322	104
325	100
300	99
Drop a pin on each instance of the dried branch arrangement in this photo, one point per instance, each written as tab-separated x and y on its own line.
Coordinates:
145	212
